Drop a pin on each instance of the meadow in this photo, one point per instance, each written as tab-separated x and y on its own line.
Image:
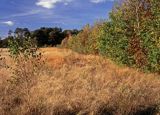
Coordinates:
68	83
109	68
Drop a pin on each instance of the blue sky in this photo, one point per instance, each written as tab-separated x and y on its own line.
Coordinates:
68	14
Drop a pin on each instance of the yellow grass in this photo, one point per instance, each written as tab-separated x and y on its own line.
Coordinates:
75	84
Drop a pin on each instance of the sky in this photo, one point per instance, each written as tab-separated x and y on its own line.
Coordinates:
67	14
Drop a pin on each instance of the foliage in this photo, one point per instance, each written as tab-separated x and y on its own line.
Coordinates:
43	36
87	40
27	62
25	65
25	47
131	36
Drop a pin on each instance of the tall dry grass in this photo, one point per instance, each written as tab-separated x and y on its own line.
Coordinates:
74	84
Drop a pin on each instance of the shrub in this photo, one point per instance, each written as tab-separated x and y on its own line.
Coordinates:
26	66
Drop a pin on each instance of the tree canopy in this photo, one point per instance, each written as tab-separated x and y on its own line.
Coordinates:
43	36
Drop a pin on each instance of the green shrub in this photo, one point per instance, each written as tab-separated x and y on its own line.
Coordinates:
26	47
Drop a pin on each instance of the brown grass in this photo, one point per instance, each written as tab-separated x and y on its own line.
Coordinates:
74	84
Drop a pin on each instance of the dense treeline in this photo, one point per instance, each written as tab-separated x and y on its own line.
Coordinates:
130	36
43	36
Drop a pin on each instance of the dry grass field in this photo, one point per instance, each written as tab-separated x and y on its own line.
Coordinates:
73	84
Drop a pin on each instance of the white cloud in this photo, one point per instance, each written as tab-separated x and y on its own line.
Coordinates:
51	3
99	1
9	23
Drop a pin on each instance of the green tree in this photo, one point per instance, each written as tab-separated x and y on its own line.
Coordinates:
22	32
55	36
131	36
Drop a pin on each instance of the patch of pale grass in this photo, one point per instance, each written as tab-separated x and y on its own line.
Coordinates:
75	84
92	85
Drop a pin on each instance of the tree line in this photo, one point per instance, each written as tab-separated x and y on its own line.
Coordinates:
131	35
44	36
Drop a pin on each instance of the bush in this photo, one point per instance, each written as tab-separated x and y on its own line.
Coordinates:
26	66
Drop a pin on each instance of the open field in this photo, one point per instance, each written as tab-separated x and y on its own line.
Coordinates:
75	84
